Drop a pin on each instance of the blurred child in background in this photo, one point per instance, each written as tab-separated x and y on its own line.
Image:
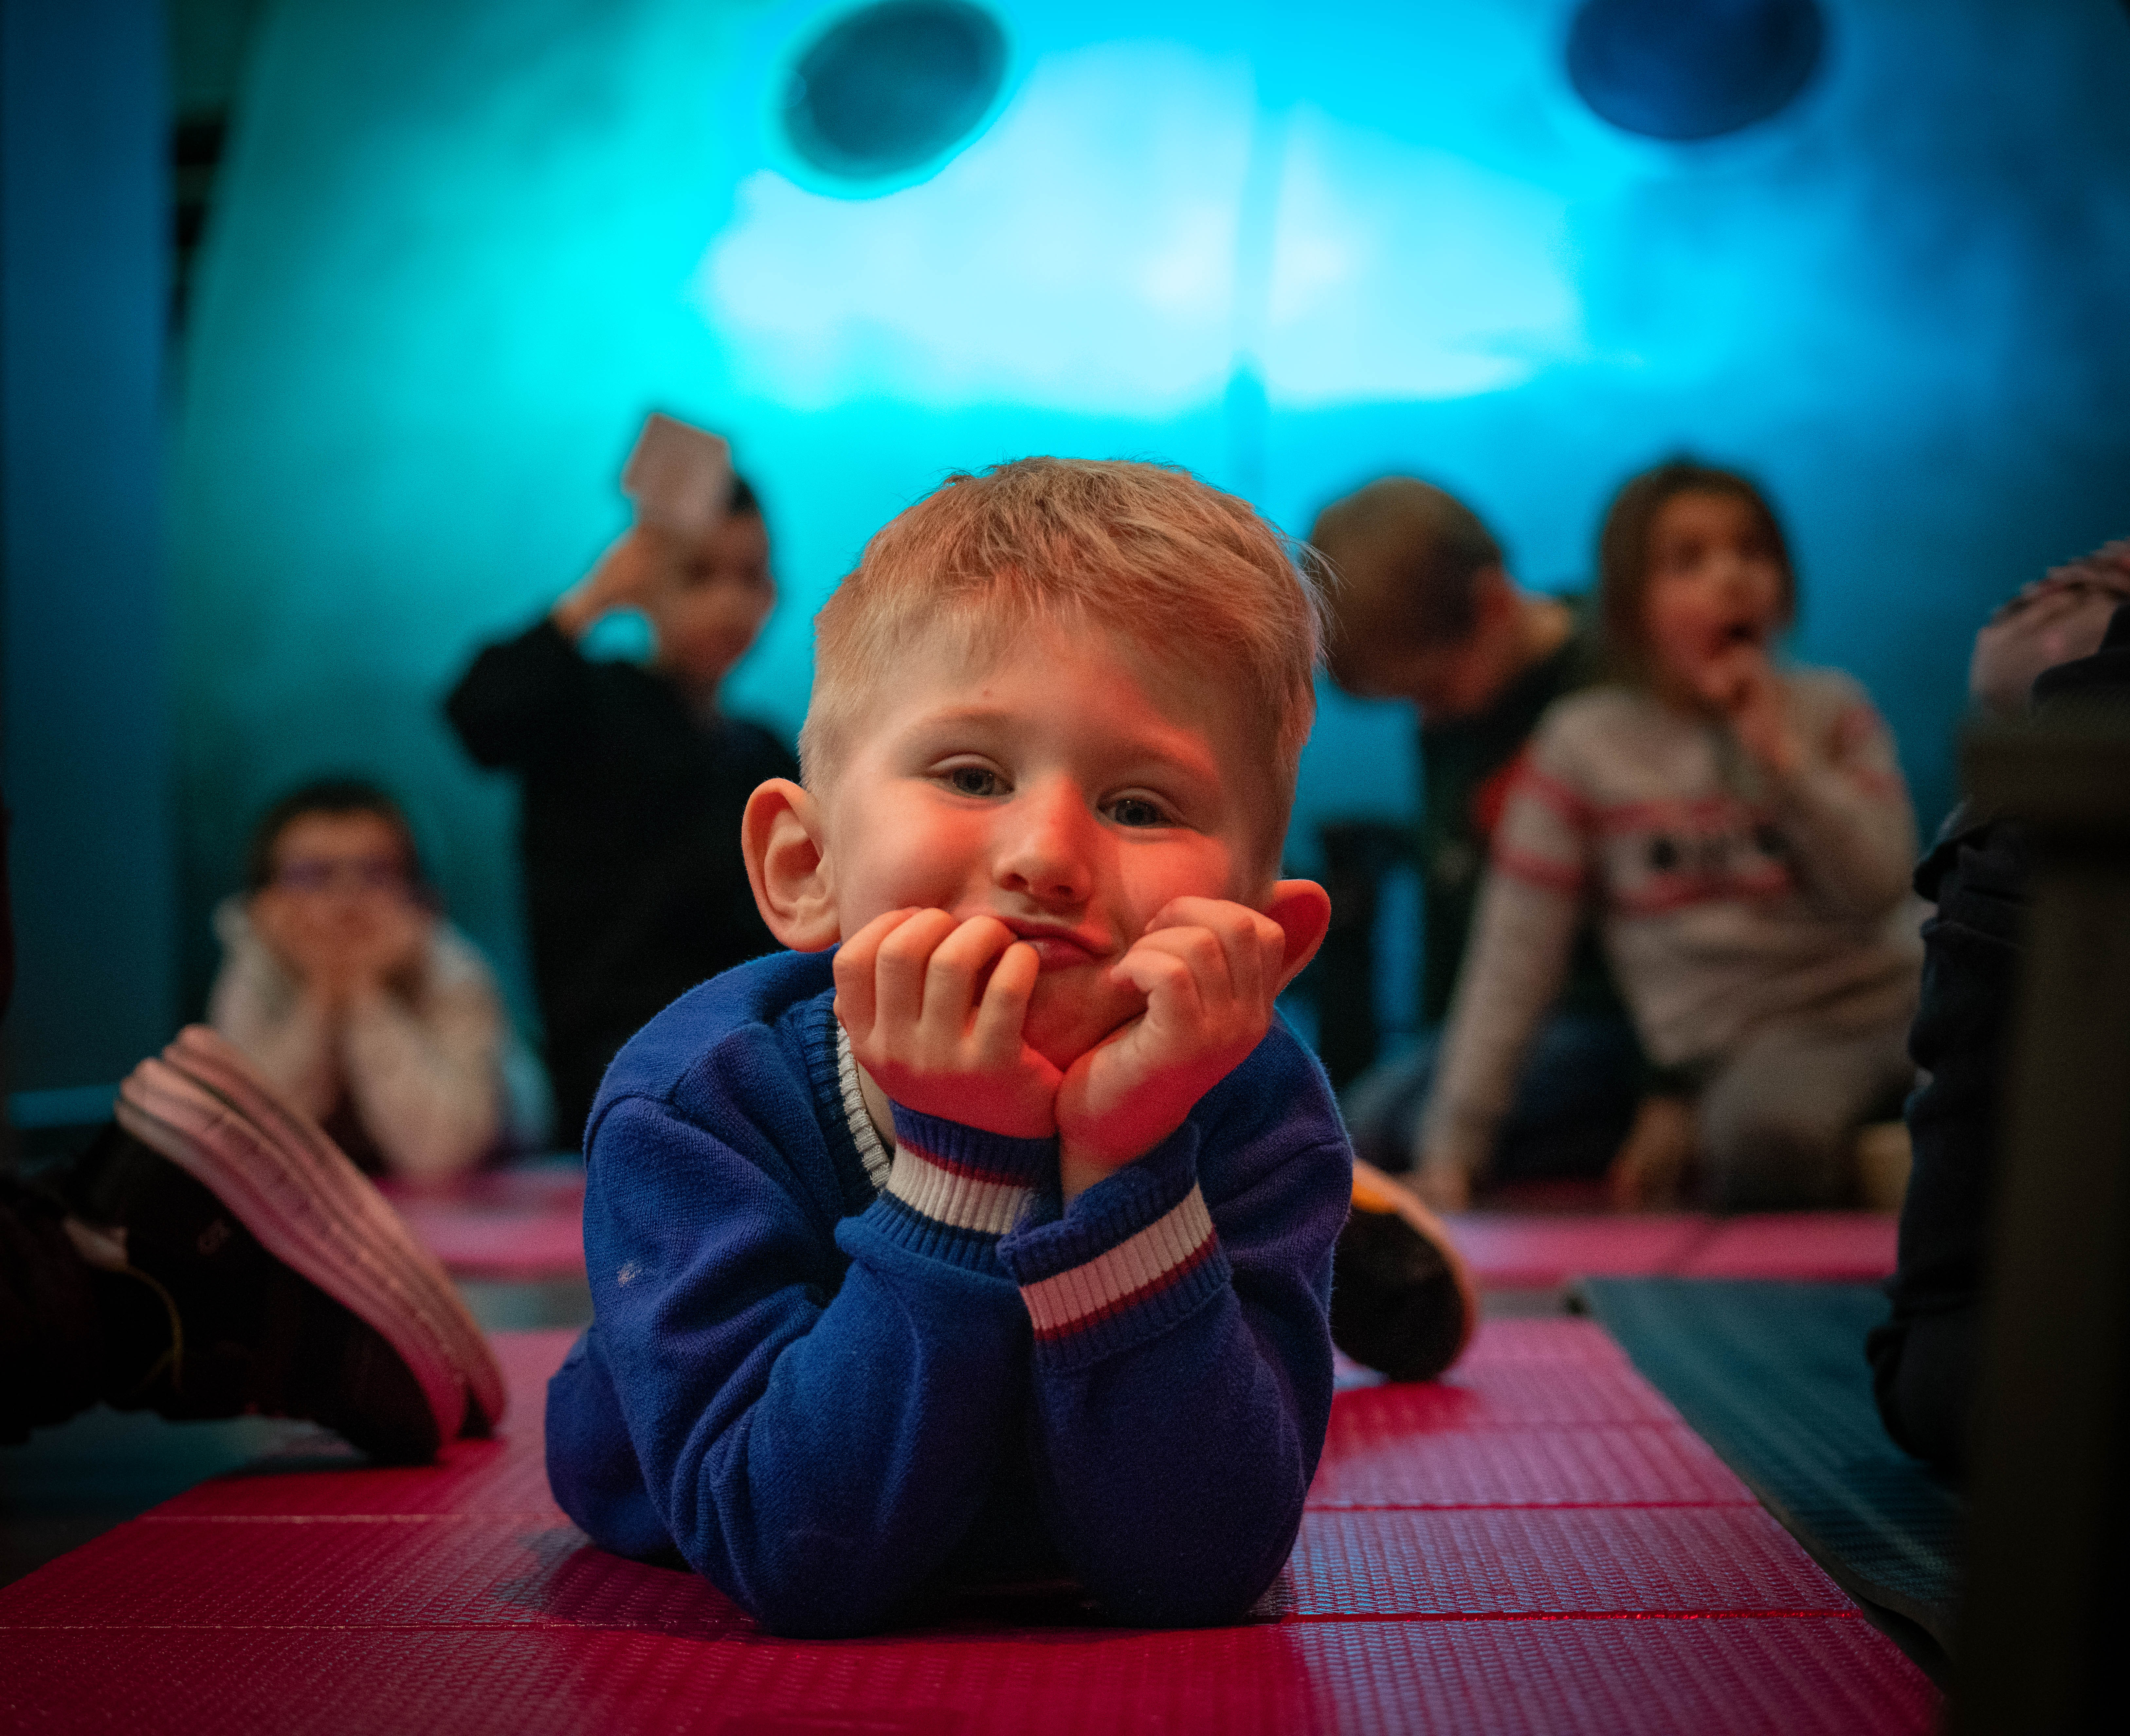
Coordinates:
1424	610
1741	830
633	782
353	997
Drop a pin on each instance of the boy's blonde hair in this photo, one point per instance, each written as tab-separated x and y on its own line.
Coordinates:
1193	576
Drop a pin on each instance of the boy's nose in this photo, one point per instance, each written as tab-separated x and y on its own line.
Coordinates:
1043	851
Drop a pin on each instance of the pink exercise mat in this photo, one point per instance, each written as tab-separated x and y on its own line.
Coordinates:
1535	1544
1846	1248
1542	1251
526	1226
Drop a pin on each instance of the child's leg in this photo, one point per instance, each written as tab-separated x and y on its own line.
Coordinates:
1575	1099
1381	1108
1777	1122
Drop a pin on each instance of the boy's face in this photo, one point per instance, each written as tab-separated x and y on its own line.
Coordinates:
1067	786
1447	679
715	598
341	893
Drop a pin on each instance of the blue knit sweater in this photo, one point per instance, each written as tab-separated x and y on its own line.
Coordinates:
832	1400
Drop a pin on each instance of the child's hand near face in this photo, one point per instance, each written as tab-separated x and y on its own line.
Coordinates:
933	1010
637	567
1743	685
337	959
1210	970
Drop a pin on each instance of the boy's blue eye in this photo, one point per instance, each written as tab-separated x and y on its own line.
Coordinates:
973	781
1133	811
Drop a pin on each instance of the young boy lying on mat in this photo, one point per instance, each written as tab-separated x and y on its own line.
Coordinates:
994	1246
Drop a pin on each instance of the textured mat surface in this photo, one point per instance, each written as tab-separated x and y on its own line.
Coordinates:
1834	1248
527	1225
1543	1250
1537	1544
516	1224
1773	1375
1512	1250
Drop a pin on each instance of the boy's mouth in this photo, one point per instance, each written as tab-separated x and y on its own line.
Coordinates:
1738	632
1058	948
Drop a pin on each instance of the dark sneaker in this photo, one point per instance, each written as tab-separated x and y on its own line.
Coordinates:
201	1321
287	1283
1403	1300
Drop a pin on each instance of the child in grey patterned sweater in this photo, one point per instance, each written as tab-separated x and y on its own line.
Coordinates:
1746	837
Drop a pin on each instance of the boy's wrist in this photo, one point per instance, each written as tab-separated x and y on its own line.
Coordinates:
962	1102
1077	1170
1133	1256
1081	1163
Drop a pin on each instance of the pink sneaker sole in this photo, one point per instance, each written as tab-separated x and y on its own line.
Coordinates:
202	1107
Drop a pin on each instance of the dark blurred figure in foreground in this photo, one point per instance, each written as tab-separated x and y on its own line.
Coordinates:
633	783
1924	1359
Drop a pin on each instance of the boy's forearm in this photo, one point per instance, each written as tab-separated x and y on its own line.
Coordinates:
1511	971
817	1459
1183	1371
865	1455
1185	1519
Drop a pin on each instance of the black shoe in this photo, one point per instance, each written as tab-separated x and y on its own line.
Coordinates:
201	1321
286	1283
1402	1300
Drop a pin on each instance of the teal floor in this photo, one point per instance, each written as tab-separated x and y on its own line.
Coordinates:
1772	1377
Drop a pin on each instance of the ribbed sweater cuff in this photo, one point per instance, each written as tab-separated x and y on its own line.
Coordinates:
1131	1256
953	1190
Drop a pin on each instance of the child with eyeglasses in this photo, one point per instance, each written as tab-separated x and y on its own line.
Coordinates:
355	997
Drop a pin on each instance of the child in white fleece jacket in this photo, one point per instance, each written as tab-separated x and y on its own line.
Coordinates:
1744	834
351	995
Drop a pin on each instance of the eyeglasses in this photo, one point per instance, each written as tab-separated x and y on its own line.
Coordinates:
358	873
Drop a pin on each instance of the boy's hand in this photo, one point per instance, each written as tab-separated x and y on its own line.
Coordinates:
1210	970
934	1010
636	566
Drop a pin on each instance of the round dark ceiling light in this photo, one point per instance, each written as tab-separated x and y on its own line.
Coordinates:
1693	69
887	87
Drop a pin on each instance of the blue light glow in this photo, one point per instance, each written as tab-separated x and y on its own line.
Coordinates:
461	250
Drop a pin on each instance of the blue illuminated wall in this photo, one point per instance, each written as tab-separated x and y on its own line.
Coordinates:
83	609
462	245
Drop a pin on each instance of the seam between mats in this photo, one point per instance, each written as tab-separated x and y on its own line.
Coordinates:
1848	1615
1668	1425
1712	1503
1536	1506
738	1632
555	1516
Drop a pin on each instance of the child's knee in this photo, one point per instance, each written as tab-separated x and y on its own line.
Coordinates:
1770	1156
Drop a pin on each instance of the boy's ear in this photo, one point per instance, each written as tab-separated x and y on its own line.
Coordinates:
1303	909
780	837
